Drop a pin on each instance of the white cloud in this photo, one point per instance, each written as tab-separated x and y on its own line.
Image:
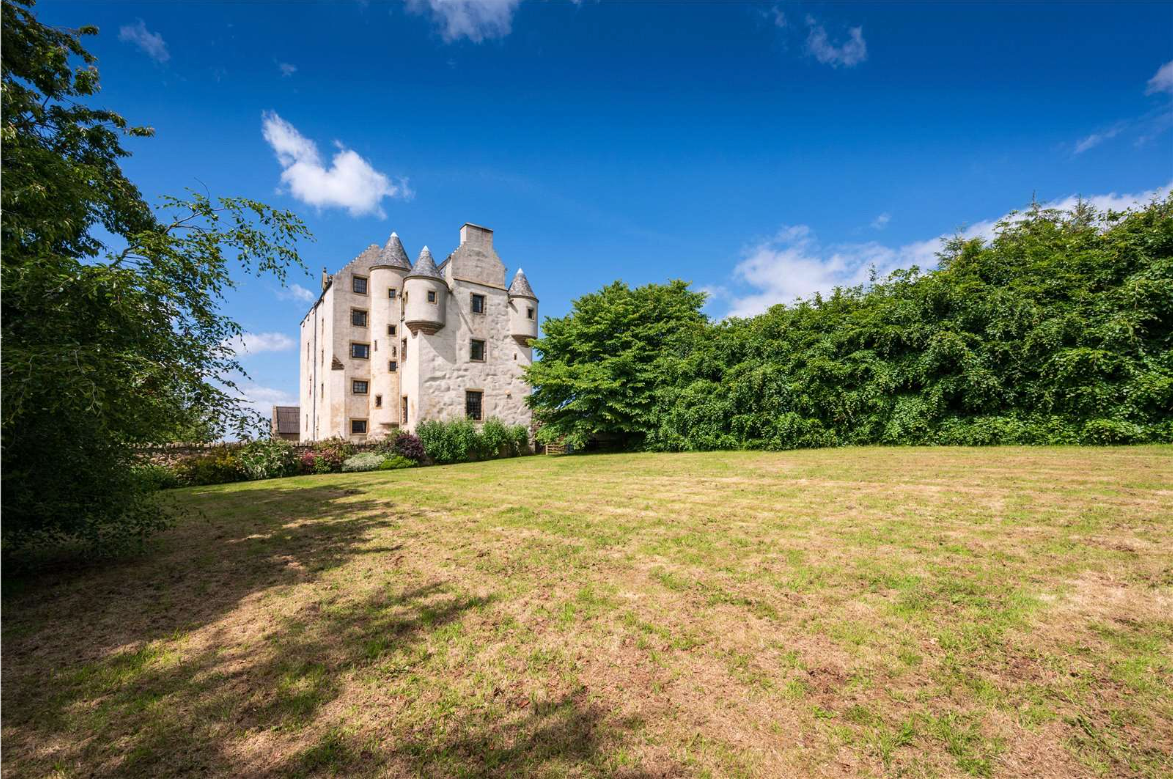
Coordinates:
476	20
350	182
262	399
1095	139
881	221
793	263
296	292
848	54
1162	81
778	17
150	42
286	69
255	343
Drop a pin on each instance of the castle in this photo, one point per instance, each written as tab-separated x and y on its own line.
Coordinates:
389	344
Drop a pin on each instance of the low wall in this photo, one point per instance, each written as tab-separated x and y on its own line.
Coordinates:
170	454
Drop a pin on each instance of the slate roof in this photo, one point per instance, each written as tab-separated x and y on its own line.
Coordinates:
287	418
425	267
520	287
394	255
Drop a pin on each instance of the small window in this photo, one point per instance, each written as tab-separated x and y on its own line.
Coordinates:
359	285
323	390
391	293
431	296
376	344
472	404
403	410
360	351
393	366
478	304
390	329
378	401
358	387
529	312
403	349
358	317
358	427
476	351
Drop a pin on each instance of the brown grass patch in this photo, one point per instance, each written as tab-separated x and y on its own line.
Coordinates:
904	612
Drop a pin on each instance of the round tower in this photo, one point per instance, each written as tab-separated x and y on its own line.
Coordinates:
425	290
386	290
523	310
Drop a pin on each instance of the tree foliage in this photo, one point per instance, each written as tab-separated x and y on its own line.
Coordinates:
1059	330
602	366
113	330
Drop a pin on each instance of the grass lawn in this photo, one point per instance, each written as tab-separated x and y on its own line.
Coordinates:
844	612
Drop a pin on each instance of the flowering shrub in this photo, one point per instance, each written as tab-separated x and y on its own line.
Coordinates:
326	457
268	459
366	461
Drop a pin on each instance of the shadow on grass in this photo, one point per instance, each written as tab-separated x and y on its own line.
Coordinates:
166	665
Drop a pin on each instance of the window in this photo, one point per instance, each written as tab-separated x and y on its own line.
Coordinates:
431	296
358	387
360	351
358	427
323	393
472	404
358	317
403	410
478	304
390	329
403	349
376	344
359	285
393	366
476	351
391	293
378	401
529	312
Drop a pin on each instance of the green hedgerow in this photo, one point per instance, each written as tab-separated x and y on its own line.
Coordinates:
395	462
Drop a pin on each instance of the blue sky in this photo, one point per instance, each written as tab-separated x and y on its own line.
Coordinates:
759	150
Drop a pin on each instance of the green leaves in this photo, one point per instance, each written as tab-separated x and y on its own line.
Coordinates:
106	347
1060	330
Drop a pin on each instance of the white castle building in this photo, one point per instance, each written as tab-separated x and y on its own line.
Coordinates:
389	345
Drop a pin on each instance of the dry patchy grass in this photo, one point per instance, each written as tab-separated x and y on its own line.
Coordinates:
905	612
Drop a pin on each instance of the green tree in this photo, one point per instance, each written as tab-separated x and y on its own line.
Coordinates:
602	365
113	331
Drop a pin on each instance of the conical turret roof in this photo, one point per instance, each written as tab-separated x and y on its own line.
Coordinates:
425	267
394	255
520	287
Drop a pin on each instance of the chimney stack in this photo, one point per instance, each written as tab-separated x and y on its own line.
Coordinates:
476	236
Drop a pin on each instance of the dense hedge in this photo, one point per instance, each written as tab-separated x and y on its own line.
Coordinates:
1059	331
459	440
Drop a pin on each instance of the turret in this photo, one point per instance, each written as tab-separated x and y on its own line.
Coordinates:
385	289
523	310
426	292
